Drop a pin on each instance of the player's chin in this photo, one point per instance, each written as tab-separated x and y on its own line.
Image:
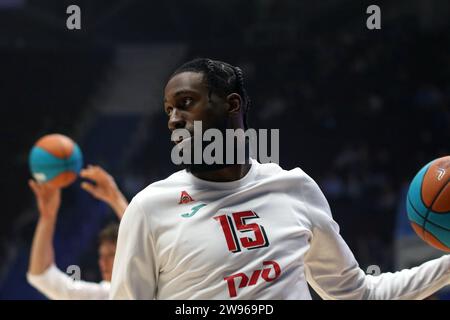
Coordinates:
203	167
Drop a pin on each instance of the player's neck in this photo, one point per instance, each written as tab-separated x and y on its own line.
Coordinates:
226	174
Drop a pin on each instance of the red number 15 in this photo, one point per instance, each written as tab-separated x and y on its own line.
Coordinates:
258	241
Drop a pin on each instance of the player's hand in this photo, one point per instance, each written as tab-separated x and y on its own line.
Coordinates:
105	188
48	198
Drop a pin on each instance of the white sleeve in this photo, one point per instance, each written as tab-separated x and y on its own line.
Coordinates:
57	285
135	271
333	272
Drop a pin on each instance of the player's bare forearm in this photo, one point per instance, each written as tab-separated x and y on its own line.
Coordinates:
119	204
48	200
42	252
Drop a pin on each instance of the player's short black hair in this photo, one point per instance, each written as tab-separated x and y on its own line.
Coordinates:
222	78
109	233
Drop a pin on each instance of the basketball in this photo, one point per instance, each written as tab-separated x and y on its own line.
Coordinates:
428	203
55	159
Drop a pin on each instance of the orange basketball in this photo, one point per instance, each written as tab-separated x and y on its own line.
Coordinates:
55	159
428	203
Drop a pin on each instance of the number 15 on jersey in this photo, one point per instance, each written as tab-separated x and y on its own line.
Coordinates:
237	223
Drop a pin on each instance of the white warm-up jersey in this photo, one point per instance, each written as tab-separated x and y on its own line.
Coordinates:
261	237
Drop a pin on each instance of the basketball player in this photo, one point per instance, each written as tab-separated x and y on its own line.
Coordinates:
242	231
42	272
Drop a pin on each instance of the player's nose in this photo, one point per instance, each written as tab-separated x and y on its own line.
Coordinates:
176	120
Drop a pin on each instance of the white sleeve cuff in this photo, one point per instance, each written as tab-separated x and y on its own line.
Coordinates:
57	285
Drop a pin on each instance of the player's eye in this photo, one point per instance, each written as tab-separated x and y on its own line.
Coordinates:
169	111
186	101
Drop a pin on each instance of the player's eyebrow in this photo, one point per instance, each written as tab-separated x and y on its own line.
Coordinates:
182	92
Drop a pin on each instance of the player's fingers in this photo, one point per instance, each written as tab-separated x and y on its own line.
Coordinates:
33	186
97	170
100	169
84	173
89	172
92	167
88	187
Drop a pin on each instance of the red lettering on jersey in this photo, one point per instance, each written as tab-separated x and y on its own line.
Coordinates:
185	198
254	277
231	285
265	272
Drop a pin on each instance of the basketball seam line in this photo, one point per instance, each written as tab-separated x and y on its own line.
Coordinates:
421	198
434	237
440	191
434	200
437	196
426	219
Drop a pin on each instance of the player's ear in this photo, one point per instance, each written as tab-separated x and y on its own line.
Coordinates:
234	103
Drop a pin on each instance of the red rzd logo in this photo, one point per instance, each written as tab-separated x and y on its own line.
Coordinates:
246	281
